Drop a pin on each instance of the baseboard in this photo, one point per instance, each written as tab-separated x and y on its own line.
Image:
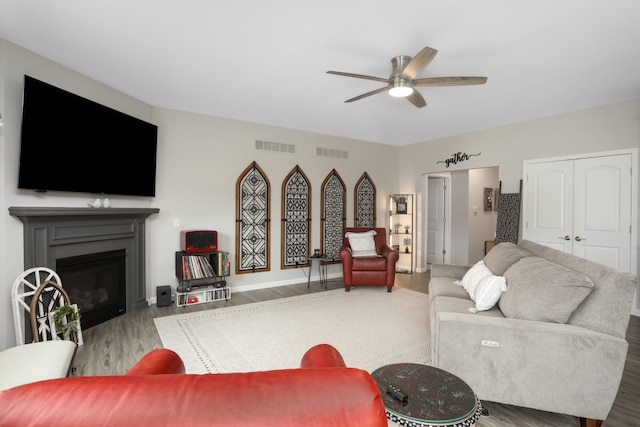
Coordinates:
253	287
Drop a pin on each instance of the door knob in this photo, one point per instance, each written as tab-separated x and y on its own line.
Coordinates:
579	239
565	238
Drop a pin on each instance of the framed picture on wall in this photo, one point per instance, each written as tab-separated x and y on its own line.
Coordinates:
487	199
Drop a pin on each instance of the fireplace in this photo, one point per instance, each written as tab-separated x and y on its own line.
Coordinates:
96	283
75	240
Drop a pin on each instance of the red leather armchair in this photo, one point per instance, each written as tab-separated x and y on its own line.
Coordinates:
369	271
156	392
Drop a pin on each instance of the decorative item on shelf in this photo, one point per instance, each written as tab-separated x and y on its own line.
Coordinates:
396	247
406	229
396	227
406	249
401	204
106	203
316	252
487	199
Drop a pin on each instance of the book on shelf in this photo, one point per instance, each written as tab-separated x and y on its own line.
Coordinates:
196	267
222	263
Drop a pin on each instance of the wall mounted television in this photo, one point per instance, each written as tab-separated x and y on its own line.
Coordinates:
70	143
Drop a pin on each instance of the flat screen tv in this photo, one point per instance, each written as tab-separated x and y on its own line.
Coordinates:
70	143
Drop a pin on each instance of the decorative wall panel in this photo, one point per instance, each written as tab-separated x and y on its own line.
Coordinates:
364	205
333	211
253	194
296	219
508	222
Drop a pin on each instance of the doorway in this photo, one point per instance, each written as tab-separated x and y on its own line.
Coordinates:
455	220
437	236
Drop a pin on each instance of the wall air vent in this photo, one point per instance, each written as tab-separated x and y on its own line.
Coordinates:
331	152
277	147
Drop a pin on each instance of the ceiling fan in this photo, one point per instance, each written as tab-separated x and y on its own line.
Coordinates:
402	80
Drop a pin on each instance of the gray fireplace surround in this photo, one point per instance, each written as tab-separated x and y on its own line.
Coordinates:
54	232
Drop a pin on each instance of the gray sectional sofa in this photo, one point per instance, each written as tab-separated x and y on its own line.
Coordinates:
555	340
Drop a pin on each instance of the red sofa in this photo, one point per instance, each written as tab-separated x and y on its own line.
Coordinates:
369	271
156	392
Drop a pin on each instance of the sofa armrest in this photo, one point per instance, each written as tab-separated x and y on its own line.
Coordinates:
566	369
390	254
346	257
452	271
322	356
157	362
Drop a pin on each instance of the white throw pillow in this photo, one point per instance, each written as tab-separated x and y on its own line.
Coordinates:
472	278
362	244
488	292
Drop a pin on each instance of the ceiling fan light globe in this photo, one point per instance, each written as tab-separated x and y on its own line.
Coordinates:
401	91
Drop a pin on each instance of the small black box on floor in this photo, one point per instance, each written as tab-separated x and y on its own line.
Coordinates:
163	296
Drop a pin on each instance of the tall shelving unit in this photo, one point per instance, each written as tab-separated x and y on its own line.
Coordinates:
401	230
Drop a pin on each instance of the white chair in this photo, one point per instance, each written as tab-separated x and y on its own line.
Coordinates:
37	361
37	292
34	295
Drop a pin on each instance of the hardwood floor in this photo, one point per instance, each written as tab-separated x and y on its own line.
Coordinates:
113	347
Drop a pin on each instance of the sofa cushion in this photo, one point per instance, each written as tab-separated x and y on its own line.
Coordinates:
362	244
488	292
472	278
503	256
606	308
445	287
542	290
457	305
369	264
483	287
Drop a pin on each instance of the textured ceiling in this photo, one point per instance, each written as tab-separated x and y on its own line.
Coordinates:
266	61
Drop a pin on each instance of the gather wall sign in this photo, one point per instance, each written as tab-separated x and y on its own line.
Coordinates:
456	158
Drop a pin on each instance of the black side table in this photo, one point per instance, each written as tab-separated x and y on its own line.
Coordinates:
434	397
322	268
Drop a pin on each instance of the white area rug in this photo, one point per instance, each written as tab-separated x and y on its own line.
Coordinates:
369	326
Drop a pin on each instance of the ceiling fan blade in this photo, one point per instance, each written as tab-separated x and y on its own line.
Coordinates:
417	64
359	76
364	95
416	99
450	81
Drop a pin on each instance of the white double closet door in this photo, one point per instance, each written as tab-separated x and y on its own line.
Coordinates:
582	206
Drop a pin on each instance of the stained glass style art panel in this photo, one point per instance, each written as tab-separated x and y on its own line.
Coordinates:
296	217
252	221
364	202
333	211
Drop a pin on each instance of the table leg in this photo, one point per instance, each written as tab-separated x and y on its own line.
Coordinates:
309	275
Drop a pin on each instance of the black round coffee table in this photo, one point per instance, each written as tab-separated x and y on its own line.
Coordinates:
433	397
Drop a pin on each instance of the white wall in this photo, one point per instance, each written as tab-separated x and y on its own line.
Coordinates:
459	217
199	160
482	225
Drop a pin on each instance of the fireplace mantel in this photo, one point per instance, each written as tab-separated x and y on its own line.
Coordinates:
58	232
38	213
